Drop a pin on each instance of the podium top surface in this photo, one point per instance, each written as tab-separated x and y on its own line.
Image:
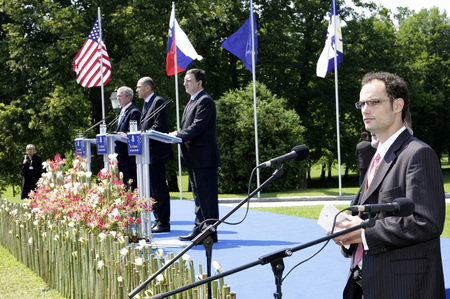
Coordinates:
163	137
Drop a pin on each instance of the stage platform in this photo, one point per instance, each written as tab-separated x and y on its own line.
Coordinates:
261	233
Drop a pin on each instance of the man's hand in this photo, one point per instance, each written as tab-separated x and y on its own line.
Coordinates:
353	237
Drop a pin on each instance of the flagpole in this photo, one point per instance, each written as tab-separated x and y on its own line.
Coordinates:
101	64
337	97
254	96
180	178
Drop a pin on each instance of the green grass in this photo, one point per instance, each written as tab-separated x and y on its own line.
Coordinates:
17	281
313	212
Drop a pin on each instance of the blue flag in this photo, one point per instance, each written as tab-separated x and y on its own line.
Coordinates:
240	43
326	60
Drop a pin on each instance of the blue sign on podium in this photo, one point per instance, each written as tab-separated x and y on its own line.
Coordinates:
102	147
79	152
134	144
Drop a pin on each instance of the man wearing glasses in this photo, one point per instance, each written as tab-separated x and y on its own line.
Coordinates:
399	257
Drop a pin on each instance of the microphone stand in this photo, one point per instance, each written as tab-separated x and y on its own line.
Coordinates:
205	238
84	134
274	258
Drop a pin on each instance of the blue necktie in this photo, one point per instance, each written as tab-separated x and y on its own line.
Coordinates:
144	110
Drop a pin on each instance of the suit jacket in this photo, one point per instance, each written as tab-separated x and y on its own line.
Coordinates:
159	151
404	257
132	113
364	152
198	132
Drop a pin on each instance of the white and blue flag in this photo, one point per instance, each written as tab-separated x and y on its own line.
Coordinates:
334	40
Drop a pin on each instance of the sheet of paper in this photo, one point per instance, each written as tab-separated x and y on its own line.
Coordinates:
326	218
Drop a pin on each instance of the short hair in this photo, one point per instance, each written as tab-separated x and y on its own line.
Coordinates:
127	91
396	87
364	135
148	81
30	146
199	75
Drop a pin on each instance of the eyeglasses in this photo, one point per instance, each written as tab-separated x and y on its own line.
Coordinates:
370	103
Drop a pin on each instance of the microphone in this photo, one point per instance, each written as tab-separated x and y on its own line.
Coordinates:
113	122
401	207
84	134
156	111
299	153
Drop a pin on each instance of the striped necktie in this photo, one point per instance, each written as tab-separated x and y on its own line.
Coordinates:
122	113
373	169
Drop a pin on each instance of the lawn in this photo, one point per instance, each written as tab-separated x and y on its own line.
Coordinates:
17	281
314	211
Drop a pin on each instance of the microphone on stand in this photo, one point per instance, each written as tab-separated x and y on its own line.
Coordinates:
113	122
299	153
401	207
157	110
84	134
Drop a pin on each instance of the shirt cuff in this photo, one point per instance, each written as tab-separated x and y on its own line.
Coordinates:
364	241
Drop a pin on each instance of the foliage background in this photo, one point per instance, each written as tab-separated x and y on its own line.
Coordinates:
41	103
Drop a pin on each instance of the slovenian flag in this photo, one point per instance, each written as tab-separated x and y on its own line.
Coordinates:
334	39
185	51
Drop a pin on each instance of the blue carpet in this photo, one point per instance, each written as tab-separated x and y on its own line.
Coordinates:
261	233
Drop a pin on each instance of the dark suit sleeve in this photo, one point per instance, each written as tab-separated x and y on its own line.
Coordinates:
418	176
205	110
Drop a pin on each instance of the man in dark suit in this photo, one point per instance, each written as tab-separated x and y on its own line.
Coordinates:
400	257
199	151
364	152
127	164
160	152
31	167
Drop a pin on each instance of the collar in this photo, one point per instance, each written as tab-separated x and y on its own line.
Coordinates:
149	97
125	109
196	94
382	150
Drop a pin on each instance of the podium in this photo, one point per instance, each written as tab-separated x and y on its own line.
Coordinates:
111	146
143	168
139	146
83	149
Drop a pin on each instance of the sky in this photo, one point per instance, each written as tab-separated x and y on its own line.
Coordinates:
415	5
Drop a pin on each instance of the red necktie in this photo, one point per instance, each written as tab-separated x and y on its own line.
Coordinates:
373	168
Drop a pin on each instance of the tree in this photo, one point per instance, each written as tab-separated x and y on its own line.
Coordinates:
279	129
426	65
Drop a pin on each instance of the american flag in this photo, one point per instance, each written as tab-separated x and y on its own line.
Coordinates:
87	62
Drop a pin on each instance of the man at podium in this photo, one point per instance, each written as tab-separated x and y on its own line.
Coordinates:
199	151
160	152
129	112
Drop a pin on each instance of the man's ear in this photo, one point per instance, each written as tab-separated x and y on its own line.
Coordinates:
399	103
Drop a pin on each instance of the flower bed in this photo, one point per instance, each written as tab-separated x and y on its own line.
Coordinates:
75	234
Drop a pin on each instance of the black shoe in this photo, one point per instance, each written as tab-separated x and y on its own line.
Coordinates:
154	224
161	229
214	237
194	234
191	236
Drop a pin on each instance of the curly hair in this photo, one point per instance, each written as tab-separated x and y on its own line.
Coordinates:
396	87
